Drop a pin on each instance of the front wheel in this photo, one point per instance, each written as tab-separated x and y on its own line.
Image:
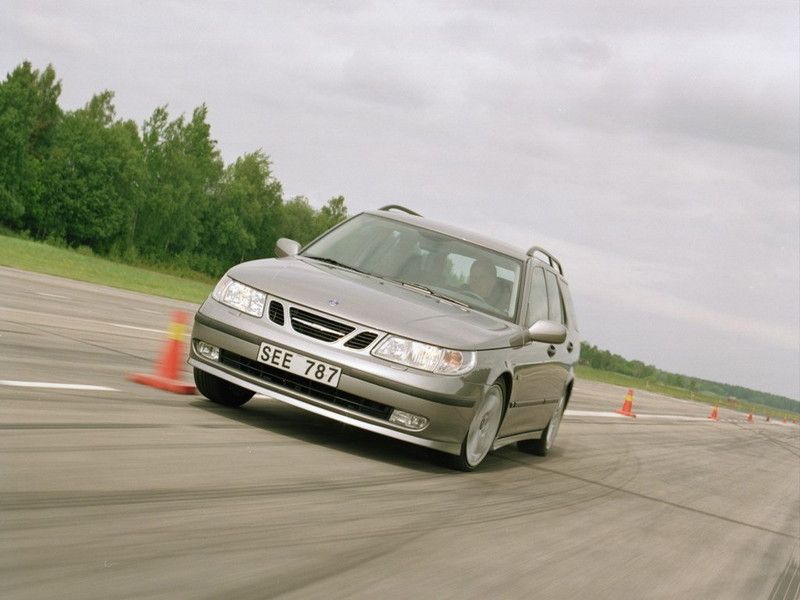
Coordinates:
542	446
220	391
482	430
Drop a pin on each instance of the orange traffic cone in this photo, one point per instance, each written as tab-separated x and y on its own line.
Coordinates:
714	416
627	405
750	418
166	375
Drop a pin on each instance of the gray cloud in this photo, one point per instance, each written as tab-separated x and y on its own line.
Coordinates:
653	145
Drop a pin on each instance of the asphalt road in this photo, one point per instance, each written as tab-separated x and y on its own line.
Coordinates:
130	492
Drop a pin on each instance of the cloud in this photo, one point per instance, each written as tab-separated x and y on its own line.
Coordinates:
653	146
644	286
55	31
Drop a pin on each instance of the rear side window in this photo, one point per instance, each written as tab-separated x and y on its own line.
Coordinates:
537	298
568	304
554	298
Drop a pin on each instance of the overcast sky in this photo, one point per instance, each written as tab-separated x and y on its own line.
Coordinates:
653	146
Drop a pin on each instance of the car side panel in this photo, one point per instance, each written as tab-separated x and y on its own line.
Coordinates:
537	384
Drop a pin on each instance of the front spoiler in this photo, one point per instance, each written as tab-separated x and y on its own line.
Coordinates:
297	401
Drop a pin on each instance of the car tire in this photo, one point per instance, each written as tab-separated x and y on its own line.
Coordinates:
482	431
544	444
220	391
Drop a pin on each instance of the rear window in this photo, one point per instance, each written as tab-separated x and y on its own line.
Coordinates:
556	308
571	321
537	298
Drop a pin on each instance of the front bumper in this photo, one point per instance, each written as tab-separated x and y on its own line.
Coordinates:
446	401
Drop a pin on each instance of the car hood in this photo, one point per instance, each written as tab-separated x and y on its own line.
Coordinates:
377	303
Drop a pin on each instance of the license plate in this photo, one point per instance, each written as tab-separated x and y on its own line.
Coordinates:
288	360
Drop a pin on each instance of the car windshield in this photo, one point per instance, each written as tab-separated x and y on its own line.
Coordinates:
482	279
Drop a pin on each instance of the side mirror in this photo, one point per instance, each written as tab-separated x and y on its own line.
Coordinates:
286	247
548	332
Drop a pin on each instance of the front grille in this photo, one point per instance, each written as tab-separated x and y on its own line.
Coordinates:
305	386
362	340
276	312
316	326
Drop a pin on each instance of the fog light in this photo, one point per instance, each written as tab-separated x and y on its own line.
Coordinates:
207	350
409	420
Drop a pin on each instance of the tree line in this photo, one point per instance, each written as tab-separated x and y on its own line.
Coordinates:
597	358
157	194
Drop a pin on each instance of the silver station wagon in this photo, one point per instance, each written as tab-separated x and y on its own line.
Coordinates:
402	326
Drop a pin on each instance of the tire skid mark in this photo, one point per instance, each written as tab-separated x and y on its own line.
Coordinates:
82	341
62	425
787	446
252	535
77	498
512	500
474	500
76	397
60	332
661	501
29	426
759	435
133	447
788	585
396	537
268	588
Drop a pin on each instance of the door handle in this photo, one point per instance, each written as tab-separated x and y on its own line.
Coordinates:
551	350
570	347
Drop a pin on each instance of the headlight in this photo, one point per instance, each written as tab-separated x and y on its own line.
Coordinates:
425	356
240	296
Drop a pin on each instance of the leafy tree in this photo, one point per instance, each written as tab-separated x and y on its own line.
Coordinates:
91	177
297	220
331	214
243	218
163	196
29	113
183	168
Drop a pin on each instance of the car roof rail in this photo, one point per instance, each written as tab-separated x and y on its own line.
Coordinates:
400	208
550	258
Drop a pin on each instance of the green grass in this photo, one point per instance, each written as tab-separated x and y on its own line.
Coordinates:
585	372
44	258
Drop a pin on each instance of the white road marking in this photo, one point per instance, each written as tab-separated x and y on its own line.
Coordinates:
147	310
674	417
85	320
613	415
59	296
133	327
56	386
593	413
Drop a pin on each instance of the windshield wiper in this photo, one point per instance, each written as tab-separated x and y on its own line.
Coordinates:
336	263
425	289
